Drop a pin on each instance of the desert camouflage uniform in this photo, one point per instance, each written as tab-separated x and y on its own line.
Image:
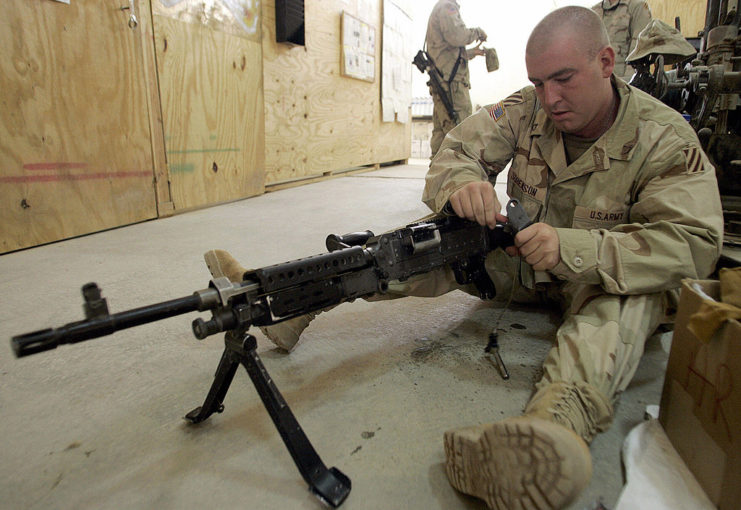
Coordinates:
635	214
446	39
623	21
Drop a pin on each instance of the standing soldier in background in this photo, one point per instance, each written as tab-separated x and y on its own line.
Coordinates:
446	39
624	20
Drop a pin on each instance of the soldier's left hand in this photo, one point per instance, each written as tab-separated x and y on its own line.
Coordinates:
539	245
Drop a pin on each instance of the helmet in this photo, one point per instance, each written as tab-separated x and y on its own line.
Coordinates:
660	38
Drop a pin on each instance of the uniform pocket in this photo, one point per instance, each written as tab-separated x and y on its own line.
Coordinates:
527	194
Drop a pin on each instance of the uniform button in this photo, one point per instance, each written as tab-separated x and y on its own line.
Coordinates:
578	261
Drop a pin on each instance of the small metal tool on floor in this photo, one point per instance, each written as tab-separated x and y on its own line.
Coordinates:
492	349
517	219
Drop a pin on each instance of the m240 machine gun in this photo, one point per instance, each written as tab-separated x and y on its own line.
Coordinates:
356	265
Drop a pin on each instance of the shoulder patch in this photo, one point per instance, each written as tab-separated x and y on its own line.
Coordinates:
496	111
693	159
514	99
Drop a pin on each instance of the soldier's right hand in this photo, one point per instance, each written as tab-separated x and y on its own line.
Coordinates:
477	201
480	34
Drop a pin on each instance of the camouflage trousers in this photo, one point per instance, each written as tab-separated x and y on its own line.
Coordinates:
441	122
597	347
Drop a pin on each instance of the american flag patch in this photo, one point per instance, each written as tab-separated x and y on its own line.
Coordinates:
496	110
693	159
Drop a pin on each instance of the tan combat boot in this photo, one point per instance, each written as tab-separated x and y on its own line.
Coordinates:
284	334
517	463
220	263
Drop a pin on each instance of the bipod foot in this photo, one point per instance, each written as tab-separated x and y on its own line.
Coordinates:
197	415
331	485
222	379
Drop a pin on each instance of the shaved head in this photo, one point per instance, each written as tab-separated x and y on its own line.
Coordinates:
570	61
582	24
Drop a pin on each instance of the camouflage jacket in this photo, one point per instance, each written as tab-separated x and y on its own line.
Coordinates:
446	39
636	213
624	22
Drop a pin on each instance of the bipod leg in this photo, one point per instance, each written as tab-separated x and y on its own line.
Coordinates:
222	379
331	486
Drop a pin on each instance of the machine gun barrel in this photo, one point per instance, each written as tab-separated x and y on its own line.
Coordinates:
358	264
103	324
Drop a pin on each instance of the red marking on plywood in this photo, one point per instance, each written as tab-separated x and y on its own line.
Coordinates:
76	177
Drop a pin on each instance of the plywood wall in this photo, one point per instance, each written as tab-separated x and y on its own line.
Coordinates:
104	124
691	14
75	148
316	120
210	82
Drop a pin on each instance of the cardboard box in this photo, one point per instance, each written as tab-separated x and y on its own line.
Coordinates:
701	400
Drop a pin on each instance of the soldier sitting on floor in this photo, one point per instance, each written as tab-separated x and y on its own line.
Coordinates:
625	205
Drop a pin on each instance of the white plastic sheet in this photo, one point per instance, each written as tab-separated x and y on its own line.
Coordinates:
657	477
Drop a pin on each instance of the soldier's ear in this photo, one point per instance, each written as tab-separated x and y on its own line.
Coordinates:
606	59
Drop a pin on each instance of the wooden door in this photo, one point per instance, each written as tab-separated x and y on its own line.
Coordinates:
209	66
75	147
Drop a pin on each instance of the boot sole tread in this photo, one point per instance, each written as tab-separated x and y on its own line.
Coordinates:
518	465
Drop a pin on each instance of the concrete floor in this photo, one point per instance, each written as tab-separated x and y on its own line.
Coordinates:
99	424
